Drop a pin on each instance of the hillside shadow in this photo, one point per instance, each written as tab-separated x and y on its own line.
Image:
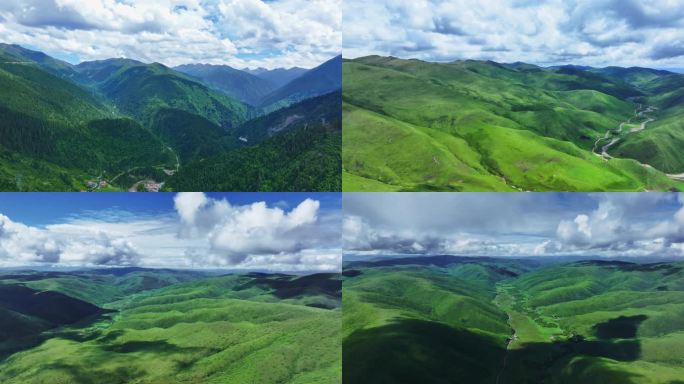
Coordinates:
157	347
417	351
411	351
623	327
286	287
351	273
87	375
568	361
77	332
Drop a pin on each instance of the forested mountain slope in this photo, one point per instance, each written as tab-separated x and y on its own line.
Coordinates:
120	124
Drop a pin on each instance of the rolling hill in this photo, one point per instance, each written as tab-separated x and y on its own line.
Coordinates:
485	126
152	326
499	320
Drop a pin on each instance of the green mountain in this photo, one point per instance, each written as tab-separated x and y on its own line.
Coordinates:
277	76
141	89
237	84
55	133
315	82
293	149
496	320
152	326
54	66
484	126
120	124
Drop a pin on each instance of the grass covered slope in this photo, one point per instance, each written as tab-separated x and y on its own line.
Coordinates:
660	143
429	321
237	84
193	328
483	320
623	321
482	126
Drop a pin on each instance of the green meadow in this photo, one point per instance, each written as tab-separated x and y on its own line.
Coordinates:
411	125
164	326
448	319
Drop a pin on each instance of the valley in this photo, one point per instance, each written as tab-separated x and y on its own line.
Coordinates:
120	124
614	136
470	125
122	325
506	320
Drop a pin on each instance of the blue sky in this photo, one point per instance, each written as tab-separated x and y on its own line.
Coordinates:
40	209
599	33
250	231
519	224
240	33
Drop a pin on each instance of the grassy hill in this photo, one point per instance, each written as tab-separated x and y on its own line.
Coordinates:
484	320
484	126
182	327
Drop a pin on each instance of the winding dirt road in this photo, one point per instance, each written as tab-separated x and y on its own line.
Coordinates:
614	135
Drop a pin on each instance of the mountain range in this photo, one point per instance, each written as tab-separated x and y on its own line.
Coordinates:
485	126
120	124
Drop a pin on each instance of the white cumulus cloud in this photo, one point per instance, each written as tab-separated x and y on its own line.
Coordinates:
200	232
546	32
253	33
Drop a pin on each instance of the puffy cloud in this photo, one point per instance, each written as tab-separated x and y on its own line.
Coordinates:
589	32
200	232
240	33
243	235
623	225
188	204
494	224
21	244
260	230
